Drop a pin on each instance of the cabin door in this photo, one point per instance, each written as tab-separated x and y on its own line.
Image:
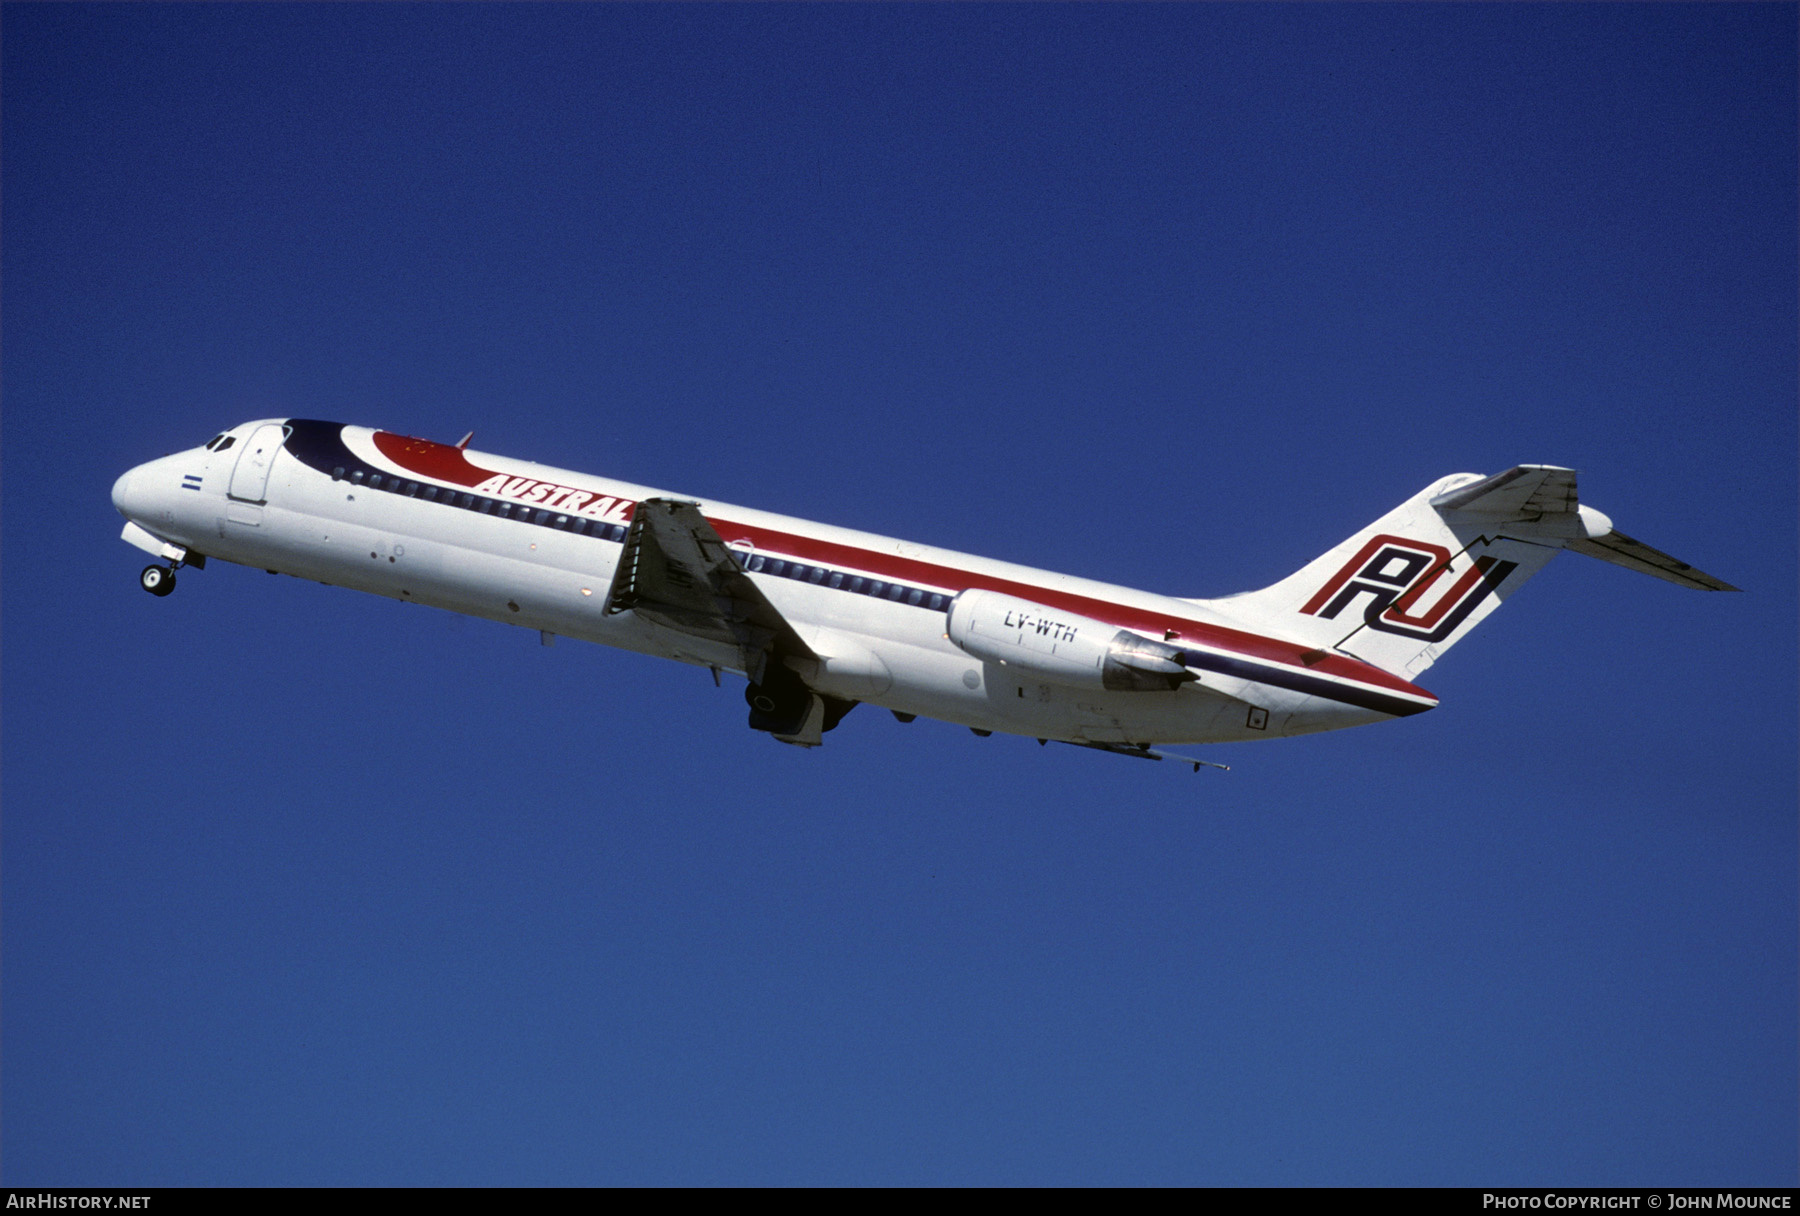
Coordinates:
250	479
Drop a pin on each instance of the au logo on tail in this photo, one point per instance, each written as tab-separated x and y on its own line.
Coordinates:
1397	575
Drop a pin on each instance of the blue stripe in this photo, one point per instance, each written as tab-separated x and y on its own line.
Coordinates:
1282	677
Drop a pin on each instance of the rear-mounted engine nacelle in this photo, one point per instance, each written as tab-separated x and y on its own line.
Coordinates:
1062	647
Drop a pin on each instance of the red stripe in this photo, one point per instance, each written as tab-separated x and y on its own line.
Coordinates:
428	459
904	569
445	463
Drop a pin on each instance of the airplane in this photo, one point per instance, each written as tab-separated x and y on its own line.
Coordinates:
819	619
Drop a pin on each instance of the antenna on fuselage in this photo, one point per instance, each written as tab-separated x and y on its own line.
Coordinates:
464	441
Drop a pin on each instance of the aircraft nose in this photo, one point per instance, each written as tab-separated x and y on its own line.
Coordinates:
130	494
122	492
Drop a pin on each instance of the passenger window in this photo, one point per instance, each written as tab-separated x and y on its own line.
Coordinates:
816	575
430	494
465	501
412	489
837	580
337	474
756	565
895	592
484	505
356	478
856	585
778	568
914	596
374	481
876	586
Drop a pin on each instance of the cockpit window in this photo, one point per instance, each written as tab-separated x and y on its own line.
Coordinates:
212	445
229	440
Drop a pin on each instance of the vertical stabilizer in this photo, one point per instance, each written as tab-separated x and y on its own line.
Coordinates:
1410	585
1413	583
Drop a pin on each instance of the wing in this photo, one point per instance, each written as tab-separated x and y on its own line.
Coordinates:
675	571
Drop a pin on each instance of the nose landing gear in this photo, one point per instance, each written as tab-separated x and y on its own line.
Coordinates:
157	580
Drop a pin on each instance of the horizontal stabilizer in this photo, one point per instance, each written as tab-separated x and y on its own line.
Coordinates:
1621	550
1540	501
1529	501
1527	491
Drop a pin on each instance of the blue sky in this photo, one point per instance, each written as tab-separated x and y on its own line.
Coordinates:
302	886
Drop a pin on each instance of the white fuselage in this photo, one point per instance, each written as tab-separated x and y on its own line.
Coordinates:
538	547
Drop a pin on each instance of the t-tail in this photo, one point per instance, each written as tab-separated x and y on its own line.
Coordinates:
1412	584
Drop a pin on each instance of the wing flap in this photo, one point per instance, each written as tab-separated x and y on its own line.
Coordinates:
676	571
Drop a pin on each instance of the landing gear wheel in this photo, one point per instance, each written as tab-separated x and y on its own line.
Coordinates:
157	580
780	703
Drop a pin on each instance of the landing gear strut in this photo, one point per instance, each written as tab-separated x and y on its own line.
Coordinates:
157	580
